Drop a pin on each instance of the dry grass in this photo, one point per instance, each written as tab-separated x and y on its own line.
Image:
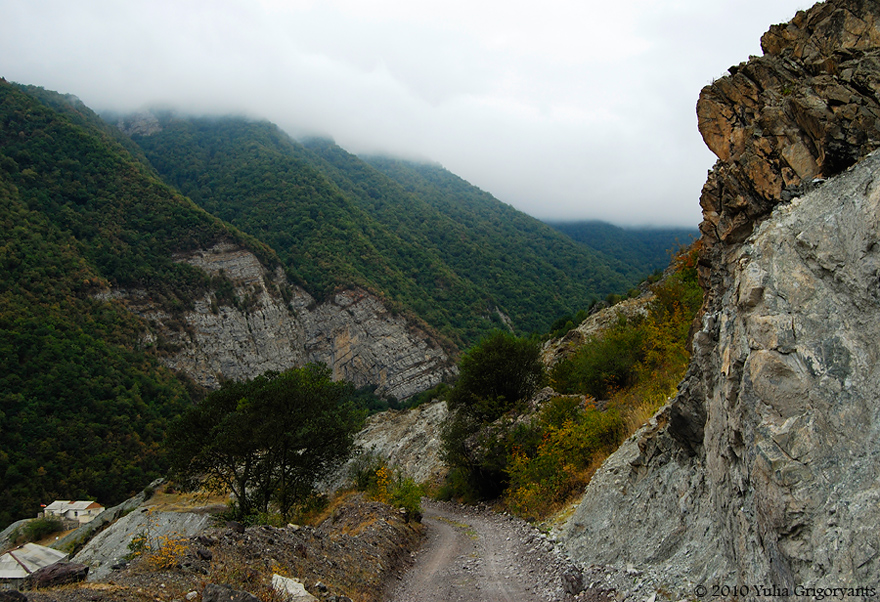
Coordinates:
355	550
318	516
50	539
175	501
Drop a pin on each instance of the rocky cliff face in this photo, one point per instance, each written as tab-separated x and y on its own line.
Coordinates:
408	440
254	329
763	470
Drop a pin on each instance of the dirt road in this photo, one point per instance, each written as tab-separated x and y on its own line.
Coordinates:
480	556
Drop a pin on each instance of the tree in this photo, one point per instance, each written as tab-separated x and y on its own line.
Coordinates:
494	376
267	440
496	373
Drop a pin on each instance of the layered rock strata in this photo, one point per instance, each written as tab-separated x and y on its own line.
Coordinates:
763	471
263	323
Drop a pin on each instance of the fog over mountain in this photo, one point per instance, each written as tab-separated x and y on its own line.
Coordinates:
571	110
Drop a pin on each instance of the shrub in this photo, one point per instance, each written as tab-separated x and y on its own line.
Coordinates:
496	374
373	476
604	364
37	529
168	553
562	464
407	494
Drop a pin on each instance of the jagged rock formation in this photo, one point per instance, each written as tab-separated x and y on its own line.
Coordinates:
763	470
808	108
556	350
258	330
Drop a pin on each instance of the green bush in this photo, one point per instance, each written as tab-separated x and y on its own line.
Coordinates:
440	391
372	475
497	373
604	364
407	494
37	529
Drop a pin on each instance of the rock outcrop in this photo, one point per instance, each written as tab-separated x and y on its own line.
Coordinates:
408	440
763	471
809	108
556	350
262	323
113	545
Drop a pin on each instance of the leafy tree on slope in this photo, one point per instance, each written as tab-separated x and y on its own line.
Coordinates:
267	440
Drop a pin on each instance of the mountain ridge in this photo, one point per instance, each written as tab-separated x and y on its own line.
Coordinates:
414	234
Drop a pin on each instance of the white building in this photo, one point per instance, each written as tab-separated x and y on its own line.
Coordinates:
81	512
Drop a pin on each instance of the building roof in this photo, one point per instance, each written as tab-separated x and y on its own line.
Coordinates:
24	560
65	505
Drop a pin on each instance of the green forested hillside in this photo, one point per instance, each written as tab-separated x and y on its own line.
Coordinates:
643	249
423	239
509	249
82	408
84	404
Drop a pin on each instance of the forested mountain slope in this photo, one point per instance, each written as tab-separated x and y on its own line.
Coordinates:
109	277
82	407
416	235
641	249
539	273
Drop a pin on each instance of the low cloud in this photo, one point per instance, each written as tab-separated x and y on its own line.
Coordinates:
570	110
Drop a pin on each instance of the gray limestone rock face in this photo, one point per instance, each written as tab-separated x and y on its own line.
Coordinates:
113	544
763	471
408	440
783	487
353	333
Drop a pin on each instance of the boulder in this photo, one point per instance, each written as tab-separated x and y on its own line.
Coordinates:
291	590
60	573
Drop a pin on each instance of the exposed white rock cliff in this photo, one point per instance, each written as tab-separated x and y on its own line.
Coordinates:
353	333
409	440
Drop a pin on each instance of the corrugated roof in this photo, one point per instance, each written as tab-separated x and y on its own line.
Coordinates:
65	505
24	560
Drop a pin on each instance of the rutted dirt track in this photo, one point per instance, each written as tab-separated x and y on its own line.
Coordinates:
480	556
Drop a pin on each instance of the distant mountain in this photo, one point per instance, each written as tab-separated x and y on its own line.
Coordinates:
642	249
424	240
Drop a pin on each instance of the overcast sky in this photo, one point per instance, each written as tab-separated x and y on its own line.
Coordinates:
565	109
